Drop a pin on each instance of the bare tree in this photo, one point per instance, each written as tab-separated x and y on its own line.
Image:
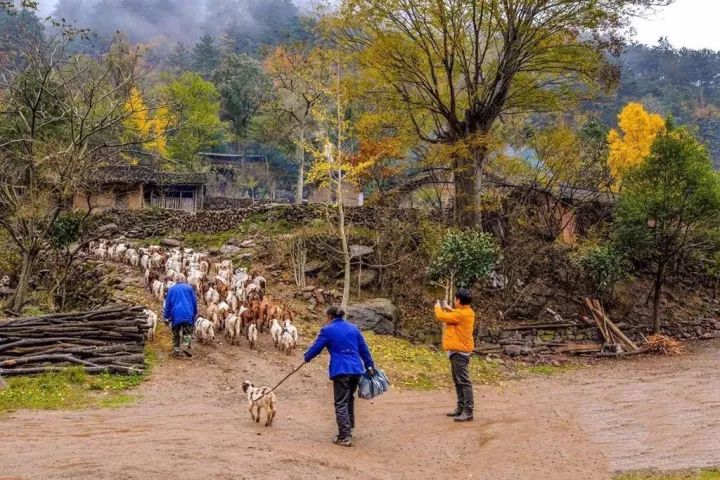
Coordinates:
61	117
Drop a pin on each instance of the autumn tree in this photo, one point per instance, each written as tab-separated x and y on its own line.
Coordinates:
149	124
456	67
333	166
385	141
631	145
668	206
299	74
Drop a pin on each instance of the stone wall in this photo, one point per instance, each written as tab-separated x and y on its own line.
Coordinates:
152	223
534	340
223	203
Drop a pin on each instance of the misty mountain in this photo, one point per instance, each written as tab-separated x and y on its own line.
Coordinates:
248	24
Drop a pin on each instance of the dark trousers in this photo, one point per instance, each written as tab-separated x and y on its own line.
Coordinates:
178	333
344	387
460	366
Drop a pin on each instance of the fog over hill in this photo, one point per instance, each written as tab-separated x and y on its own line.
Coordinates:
180	20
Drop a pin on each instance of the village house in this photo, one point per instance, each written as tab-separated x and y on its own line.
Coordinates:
135	187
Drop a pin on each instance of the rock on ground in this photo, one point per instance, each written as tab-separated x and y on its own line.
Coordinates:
170	242
379	315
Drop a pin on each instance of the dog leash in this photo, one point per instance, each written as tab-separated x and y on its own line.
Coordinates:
282	381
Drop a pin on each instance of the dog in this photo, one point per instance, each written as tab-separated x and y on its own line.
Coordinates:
260	399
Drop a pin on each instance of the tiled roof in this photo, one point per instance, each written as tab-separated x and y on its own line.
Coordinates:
134	174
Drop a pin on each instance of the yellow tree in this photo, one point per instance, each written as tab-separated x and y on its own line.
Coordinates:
334	166
142	123
458	67
631	145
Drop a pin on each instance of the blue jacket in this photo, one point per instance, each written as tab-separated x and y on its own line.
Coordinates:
180	305
349	354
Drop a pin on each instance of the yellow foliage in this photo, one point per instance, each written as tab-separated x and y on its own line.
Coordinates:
144	128
631	145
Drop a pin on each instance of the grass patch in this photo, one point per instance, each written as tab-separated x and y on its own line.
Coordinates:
419	367
263	223
701	474
71	389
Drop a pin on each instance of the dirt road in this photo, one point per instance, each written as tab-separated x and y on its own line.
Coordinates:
192	423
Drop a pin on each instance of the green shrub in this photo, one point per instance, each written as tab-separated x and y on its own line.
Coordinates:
605	266
464	258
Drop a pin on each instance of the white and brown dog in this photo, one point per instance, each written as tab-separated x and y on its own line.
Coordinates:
260	399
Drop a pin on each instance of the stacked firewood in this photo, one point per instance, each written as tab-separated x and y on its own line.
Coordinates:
108	340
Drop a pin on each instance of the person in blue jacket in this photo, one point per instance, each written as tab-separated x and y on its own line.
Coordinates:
180	311
349	359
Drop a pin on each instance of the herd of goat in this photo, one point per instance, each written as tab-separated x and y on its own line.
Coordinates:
234	302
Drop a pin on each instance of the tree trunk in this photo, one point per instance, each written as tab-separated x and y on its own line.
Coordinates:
467	171
465	192
18	299
345	246
657	292
301	169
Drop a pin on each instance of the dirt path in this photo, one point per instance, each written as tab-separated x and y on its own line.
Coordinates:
191	423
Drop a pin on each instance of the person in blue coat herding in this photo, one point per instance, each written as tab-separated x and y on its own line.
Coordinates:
349	359
180	311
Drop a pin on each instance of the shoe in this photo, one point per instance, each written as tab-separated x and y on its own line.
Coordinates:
175	353
343	442
464	417
456	413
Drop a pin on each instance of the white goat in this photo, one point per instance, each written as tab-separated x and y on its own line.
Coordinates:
152	321
289	337
204	330
276	332
232	329
252	335
212	296
158	289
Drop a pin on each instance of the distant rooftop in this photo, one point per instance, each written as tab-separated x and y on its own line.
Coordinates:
134	174
231	158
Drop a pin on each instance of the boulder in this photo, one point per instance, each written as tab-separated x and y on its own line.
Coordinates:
517	350
367	277
379	315
170	242
107	229
360	251
229	249
314	267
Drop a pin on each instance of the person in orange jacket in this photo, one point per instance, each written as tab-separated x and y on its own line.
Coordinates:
458	323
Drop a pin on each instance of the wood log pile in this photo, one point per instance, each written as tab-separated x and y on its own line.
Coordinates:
108	340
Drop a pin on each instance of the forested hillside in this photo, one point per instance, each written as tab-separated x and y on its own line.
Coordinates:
681	83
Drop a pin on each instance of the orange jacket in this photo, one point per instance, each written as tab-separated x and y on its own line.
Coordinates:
458	328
